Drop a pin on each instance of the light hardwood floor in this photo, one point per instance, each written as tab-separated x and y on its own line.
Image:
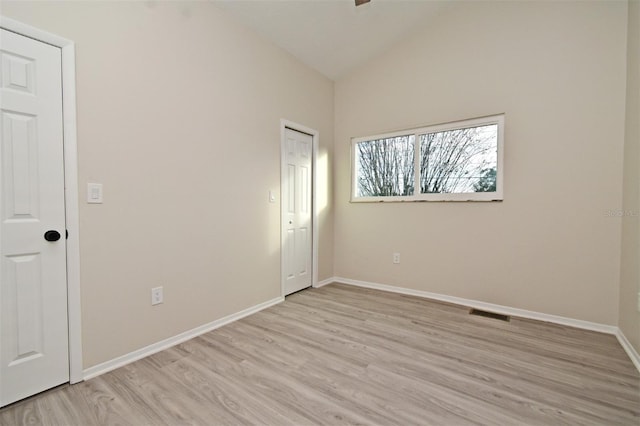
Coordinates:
346	355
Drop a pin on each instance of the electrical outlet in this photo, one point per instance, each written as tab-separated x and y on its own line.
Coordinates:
156	296
396	257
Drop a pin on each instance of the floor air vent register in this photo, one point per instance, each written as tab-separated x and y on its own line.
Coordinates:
487	314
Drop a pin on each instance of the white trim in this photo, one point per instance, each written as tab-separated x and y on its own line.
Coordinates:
32	32
67	48
72	212
315	137
123	360
500	309
539	316
629	349
324	282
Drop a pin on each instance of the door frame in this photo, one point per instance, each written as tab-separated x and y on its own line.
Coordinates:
315	140
70	160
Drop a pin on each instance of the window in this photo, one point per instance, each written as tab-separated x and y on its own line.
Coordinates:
459	161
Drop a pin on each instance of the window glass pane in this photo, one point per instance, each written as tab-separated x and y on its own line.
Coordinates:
459	161
385	167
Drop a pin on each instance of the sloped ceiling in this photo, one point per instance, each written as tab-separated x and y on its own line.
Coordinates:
333	36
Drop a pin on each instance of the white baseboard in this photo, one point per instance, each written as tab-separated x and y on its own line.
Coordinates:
506	310
325	282
500	309
182	337
630	350
120	361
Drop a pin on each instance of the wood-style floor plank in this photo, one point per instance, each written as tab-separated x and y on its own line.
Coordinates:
345	355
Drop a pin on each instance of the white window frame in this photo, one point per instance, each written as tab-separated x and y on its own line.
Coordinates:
497	119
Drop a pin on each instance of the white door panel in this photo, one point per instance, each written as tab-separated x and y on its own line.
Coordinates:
297	211
303	241
33	287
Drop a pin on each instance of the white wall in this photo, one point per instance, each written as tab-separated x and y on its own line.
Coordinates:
557	70
179	111
629	321
179	114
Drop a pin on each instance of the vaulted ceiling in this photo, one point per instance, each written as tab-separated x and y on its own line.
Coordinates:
333	36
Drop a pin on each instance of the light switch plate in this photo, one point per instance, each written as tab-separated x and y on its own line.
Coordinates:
272	197
94	193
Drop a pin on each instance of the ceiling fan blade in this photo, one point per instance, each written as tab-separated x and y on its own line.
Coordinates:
360	2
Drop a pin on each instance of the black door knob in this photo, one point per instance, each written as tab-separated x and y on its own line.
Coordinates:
52	235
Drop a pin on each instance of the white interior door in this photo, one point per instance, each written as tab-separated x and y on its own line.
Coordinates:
34	350
296	211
